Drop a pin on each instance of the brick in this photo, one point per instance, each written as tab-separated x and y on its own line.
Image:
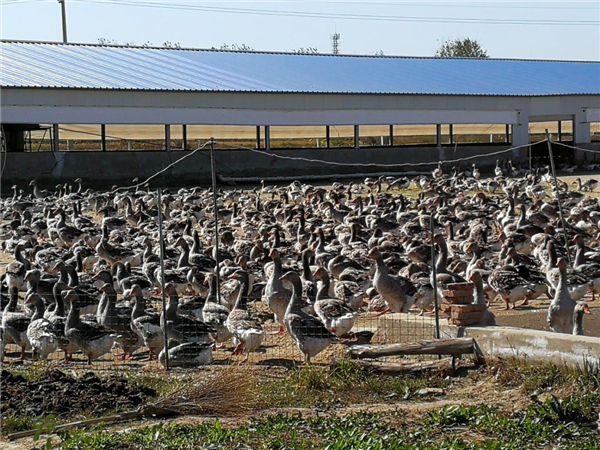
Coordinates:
460	300
460	293
469	308
459	286
464	322
467	315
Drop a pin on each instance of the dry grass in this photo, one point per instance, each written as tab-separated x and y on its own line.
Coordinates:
227	393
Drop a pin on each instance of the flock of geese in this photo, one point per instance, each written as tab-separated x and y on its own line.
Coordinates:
85	271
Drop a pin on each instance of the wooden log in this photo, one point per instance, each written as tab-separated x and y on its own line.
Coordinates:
395	368
453	347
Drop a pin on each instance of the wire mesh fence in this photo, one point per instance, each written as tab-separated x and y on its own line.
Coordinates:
295	283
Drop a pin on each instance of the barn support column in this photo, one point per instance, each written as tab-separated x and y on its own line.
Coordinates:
581	128
168	137
391	135
327	137
103	137
184	136
267	137
520	135
55	138
356	136
258	137
438	135
507	134
451	132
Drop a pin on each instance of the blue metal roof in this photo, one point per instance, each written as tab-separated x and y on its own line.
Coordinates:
54	65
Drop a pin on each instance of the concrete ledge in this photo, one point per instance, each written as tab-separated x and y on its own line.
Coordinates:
532	345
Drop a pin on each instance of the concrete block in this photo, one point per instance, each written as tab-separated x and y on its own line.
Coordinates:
531	345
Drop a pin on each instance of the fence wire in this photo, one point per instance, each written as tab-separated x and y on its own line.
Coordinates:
83	282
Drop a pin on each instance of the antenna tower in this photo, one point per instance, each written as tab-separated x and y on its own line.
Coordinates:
335	43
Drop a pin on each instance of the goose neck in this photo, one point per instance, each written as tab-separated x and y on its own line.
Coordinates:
323	292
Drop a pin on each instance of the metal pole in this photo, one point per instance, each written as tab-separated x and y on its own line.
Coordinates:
258	137
162	276
267	137
391	135
559	131
356	136
184	136
103	137
560	211
327	137
55	137
168	137
63	8
216	213
434	272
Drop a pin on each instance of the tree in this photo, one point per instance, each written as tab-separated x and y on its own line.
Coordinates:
306	51
461	48
234	48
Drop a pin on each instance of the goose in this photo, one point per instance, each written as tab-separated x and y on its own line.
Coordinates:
146	323
311	336
246	329
398	292
509	286
118	319
181	328
562	307
581	308
214	313
489	318
45	337
188	354
93	339
275	295
14	324
16	270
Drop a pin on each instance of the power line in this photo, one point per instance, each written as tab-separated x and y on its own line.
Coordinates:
342	16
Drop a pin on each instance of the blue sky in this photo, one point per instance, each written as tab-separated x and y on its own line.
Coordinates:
119	20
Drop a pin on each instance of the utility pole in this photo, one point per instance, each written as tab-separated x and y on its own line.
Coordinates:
335	43
63	8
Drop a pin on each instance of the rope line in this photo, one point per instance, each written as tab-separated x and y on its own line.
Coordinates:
135	186
577	148
333	163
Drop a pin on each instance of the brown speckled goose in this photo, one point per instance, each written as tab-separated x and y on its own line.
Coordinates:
398	292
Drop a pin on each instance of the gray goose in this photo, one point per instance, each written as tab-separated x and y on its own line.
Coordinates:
581	308
311	336
145	323
246	329
335	314
45	337
93	339
275	295
562	307
398	292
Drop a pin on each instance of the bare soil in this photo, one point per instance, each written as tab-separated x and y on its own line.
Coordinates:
68	396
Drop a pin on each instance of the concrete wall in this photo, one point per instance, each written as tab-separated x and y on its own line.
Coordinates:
103	169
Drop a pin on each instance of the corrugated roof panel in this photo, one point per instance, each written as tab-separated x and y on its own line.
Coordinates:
30	64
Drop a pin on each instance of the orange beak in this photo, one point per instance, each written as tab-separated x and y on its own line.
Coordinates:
587	310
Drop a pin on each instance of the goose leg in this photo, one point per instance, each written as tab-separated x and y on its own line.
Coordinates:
507	305
281	331
388	310
22	353
525	302
238	349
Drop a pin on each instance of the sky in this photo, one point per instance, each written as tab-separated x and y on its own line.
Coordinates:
568	30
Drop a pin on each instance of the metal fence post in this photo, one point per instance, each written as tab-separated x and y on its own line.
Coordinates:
216	213
162	276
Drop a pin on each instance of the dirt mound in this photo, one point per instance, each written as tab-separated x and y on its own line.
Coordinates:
60	394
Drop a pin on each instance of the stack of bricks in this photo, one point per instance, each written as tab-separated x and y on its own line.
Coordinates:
458	305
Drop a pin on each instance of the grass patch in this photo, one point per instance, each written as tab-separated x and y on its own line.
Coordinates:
345	384
13	424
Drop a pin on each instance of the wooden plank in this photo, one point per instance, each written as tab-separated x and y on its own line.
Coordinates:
395	368
454	347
